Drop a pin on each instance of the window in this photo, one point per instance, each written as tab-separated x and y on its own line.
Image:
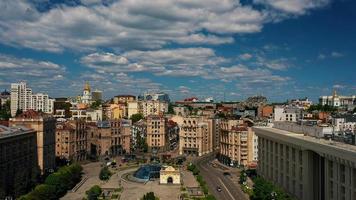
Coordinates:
342	173
331	169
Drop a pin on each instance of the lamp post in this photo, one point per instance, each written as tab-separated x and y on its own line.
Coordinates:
273	195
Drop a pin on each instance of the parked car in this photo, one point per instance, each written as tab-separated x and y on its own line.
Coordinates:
218	189
227	174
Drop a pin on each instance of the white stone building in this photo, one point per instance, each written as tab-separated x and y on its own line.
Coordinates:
337	101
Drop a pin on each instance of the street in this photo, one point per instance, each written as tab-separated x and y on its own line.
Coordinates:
230	190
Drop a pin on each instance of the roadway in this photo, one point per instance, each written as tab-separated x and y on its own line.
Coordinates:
214	178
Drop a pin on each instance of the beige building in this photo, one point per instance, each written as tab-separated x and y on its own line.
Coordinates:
71	140
156	133
132	108
124	99
306	167
169	175
109	137
195	135
236	143
45	126
152	107
18	161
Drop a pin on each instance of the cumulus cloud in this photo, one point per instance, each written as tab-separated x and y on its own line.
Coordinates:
171	62
274	64
296	7
245	56
135	24
336	54
127	24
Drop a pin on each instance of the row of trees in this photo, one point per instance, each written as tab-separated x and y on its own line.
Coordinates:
57	184
263	189
193	168
324	108
5	112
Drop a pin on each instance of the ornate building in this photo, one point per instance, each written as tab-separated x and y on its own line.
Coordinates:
86	98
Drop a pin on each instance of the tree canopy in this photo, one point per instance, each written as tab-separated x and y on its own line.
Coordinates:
94	192
324	108
136	117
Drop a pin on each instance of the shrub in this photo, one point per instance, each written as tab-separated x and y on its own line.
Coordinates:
93	193
56	184
105	174
149	196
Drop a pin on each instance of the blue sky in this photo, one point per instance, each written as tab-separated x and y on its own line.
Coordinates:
281	49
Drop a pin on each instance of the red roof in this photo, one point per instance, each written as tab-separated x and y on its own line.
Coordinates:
191	99
30	114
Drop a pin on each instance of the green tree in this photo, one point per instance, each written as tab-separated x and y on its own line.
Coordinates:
18	112
149	196
94	192
96	104
136	117
263	189
171	109
5	112
104	174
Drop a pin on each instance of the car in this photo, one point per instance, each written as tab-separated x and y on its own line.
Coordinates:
226	174
218	189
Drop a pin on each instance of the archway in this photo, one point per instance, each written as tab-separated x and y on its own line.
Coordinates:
169	180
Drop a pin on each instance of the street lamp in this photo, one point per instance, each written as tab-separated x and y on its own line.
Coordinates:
273	195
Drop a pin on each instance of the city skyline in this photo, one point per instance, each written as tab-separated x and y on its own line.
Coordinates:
278	49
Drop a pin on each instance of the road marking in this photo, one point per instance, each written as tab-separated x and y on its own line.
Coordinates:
232	197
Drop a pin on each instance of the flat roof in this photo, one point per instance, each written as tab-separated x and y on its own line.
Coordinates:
6	132
309	142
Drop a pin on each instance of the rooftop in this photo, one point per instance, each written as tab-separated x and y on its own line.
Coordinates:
13	131
302	139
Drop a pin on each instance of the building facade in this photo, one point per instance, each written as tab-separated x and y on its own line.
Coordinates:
236	143
306	167
152	107
18	161
23	99
71	140
45	126
338	101
195	135
156	133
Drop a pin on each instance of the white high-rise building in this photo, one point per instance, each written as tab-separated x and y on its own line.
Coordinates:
23	99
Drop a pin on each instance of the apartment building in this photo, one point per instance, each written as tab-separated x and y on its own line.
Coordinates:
236	143
23	99
45	126
71	140
195	135
18	161
124	99
156	133
153	107
109	137
138	134
306	167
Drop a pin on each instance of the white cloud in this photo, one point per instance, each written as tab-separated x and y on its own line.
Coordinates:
127	24
245	56
336	54
321	56
172	62
274	64
296	7
135	24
